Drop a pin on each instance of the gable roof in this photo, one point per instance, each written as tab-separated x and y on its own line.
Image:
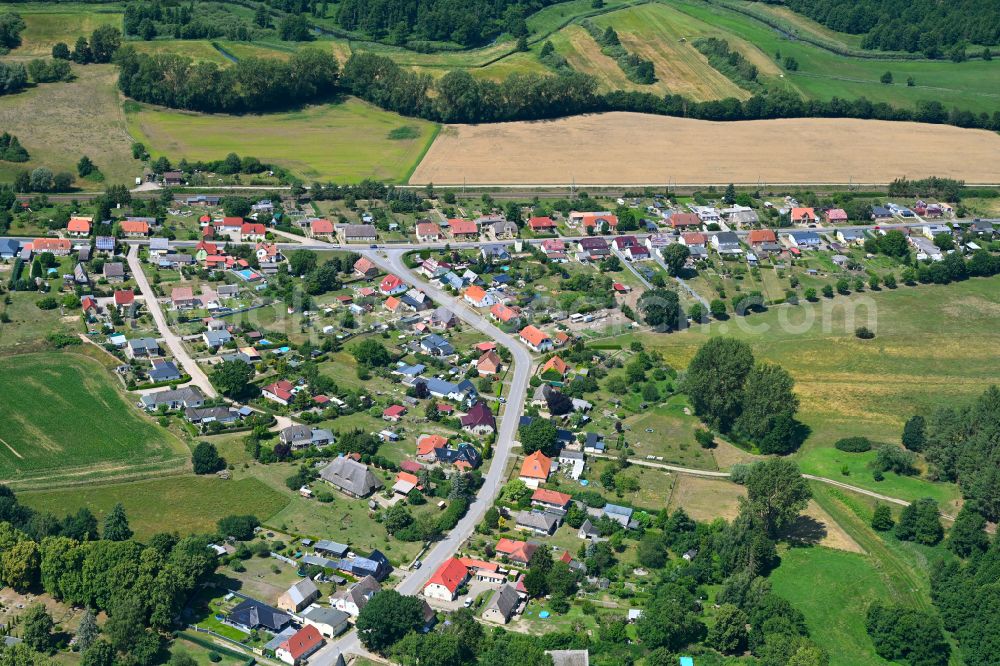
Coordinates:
557	364
678	220
761	236
475	293
124	297
302	590
351	476
450	575
252	613
303	642
427	443
459	226
534	335
504	600
543	222
551	497
322	226
520	550
803	213
363	265
479	415
428	229
78	225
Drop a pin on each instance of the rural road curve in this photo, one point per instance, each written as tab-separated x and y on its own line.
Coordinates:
174	343
440	551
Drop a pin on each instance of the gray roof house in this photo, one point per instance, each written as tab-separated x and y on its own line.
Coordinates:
353	599
443	318
298	596
143	347
164	371
208	414
216	339
726	242
350	477
358	233
300	436
540	522
114	271
331	548
9	248
187	396
502	605
251	614
329	621
569	657
619	514
435	345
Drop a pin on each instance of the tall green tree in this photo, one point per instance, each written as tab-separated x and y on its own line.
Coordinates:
116	526
386	618
776	493
968	534
715	380
767	393
37	628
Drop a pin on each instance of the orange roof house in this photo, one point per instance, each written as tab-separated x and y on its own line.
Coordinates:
488	364
428	231
124	297
79	226
600	221
551	498
321	227
463	228
803	215
53	245
300	645
682	220
535	338
758	236
541	223
135	227
516	551
427	443
557	365
392	304
475	295
535	469
504	313
364	267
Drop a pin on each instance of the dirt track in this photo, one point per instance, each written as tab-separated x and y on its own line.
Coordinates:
633	148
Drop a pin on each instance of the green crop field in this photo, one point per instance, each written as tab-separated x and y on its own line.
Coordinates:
65	417
343	142
929	346
184	504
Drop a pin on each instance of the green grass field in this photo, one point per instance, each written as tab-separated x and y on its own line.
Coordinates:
48	23
66	417
930	343
833	589
185	504
343	142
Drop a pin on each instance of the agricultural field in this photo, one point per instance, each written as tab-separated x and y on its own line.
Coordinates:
185	504
928	342
60	122
802	150
70	419
48	23
342	142
29	324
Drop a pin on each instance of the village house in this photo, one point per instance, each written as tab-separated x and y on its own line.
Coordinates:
685	222
298	596
182	398
571	461
353	599
517	552
446	581
435	345
251	614
426	444
593	249
554	368
602	222
392	285
142	348
479	420
365	268
463	229
267	253
330	622
550	499
835	216
537	340
763	240
802	239
851	236
542	523
428	232
464	457
803	216
741	217
321	228
350	477
114	272
535	469
280	392
503	229
357	233
554	249
163	370
393	413
442	319
182	298
478	297
542	224
216	339
505	314
488	364
134	228
726	242
502	605
304	642
303	436
79	226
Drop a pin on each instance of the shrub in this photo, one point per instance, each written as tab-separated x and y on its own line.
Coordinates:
705	438
854	444
894	459
864	333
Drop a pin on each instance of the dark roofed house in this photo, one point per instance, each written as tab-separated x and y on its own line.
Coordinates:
502	605
251	614
184	397
164	371
350	477
479	420
540	522
464	456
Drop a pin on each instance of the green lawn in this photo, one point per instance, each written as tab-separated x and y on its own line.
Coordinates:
929	343
68	418
344	141
185	504
29	324
833	589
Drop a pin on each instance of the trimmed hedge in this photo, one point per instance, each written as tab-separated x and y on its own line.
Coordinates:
854	444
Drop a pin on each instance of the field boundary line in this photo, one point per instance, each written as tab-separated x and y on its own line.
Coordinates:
423	153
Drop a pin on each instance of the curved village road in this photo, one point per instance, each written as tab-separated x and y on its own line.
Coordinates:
441	550
173	341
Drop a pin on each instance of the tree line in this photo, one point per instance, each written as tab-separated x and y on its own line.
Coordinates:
251	84
925	26
636	69
459	97
730	63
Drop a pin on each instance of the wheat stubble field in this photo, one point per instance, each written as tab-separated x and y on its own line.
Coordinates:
633	149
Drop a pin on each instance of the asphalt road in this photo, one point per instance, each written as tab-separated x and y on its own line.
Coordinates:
413	583
173	341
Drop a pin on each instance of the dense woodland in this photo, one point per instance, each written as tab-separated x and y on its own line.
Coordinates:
466	22
927	26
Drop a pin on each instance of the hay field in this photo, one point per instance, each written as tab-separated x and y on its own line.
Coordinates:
343	142
46	24
68	418
60	122
633	148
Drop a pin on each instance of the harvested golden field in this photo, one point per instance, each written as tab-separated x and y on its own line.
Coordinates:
634	149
